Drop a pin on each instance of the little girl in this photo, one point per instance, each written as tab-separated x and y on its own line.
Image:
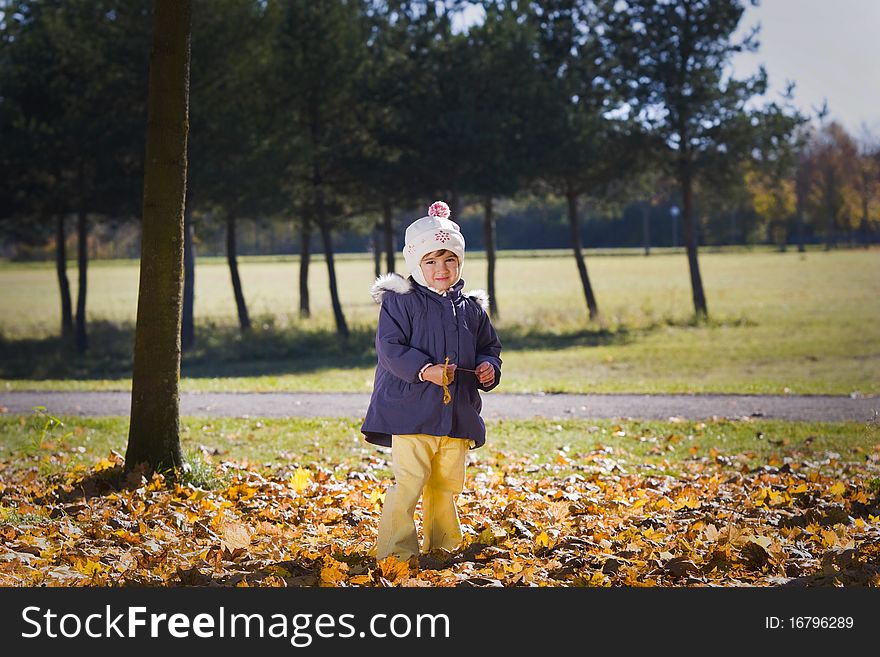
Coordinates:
436	348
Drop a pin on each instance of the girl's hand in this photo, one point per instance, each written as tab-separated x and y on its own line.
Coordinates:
434	374
485	373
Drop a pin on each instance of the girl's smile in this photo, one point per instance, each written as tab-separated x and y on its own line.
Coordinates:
440	269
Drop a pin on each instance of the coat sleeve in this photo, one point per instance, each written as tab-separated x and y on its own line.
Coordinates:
488	349
393	336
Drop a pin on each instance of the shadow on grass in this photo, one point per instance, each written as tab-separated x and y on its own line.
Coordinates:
220	351
223	351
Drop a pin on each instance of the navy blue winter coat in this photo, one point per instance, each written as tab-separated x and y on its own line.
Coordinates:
417	327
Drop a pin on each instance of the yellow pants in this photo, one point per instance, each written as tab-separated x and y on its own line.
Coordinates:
431	467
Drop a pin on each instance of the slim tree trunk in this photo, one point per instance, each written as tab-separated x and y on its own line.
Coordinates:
82	260
304	259
63	282
646	227
377	249
829	211
388	231
799	218
188	327
327	238
154	433
489	238
231	257
690	240
574	225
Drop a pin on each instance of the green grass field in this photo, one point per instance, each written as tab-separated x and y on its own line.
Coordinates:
61	444
779	322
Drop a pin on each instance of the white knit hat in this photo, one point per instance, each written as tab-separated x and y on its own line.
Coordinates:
430	233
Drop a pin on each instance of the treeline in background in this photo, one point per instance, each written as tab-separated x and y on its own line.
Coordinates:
319	127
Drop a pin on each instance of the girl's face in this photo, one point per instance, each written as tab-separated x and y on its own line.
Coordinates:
440	269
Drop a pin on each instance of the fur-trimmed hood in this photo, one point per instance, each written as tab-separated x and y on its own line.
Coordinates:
396	283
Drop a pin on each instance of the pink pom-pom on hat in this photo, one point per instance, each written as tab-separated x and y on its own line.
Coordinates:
439	209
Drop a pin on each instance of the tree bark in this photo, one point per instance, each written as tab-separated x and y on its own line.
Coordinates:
377	249
388	230
82	260
489	238
63	282
799	218
244	320
304	259
830	222
327	238
690	240
454	202
188	327
574	225
154	433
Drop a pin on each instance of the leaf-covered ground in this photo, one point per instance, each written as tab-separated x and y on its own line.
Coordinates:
582	520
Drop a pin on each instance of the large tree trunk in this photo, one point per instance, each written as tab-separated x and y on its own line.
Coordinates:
243	320
646	227
82	261
304	260
154	433
327	238
63	282
188	326
690	240
388	231
489	238
574	226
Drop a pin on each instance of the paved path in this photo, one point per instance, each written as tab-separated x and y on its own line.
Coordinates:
817	408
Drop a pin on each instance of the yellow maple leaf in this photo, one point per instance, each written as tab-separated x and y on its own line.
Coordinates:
662	503
301	480
104	464
759	496
829	538
837	489
376	496
332	574
393	568
240	491
542	539
88	566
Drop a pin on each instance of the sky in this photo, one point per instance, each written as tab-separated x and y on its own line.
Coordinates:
830	49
